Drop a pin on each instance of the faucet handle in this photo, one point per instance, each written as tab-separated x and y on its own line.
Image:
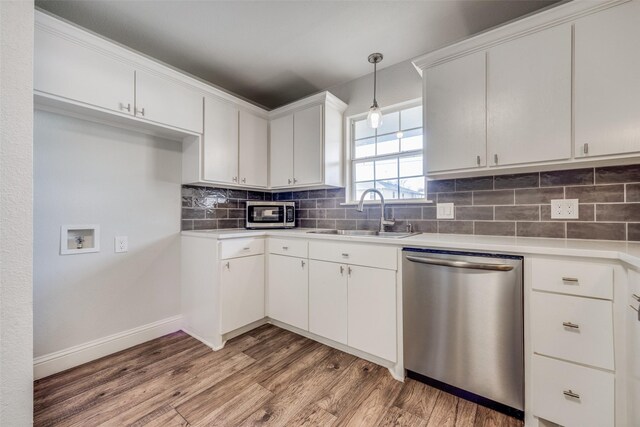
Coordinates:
409	228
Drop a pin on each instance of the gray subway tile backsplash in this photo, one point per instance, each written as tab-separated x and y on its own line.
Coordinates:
504	205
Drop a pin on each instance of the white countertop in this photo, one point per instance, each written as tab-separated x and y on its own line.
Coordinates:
627	252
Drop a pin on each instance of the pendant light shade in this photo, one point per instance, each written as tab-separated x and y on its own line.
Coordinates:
374	119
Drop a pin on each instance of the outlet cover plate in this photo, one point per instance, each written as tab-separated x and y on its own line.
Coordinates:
121	244
445	211
565	209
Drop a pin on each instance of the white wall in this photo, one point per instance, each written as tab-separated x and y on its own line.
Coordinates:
16	120
129	184
397	83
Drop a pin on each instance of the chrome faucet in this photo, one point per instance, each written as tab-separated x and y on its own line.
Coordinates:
360	208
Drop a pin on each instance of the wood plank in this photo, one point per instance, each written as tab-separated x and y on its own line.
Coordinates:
417	398
486	417
396	417
312	416
232	412
466	413
168	417
374	407
300	393
444	411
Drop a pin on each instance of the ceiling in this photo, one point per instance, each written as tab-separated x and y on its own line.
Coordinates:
274	52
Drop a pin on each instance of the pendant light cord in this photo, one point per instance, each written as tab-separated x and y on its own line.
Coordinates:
375	66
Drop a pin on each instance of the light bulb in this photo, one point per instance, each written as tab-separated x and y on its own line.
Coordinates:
374	119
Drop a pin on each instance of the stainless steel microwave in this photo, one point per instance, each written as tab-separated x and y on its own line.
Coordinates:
261	214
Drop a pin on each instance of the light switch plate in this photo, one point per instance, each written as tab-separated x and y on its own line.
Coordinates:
445	211
564	209
122	244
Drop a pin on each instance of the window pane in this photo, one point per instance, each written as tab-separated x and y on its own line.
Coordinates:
411	118
362	130
363	171
361	187
387	168
411	166
390	123
388	144
388	188
365	148
411	140
412	188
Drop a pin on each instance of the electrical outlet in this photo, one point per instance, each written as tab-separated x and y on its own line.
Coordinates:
445	211
122	244
564	209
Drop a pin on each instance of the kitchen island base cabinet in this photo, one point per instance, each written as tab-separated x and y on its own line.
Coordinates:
241	292
328	300
288	293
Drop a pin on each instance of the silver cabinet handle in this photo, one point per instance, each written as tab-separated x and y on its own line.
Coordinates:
571	393
636	297
295	180
460	264
285	248
572	280
289	180
478	160
495	159
342	270
246	249
140	111
234	179
244	180
302	263
570	325
128	107
345	255
349	271
228	266
585	148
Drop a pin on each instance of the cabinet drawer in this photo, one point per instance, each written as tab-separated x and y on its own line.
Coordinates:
573	328
552	378
241	247
573	277
349	253
291	247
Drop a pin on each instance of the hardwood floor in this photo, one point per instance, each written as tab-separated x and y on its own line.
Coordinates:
267	377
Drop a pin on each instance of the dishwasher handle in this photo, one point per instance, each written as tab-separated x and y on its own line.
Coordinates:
460	264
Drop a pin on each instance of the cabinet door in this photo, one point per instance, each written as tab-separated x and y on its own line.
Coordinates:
220	142
241	292
307	146
328	300
289	290
607	81
281	152
372	311
253	139
70	70
169	102
633	349
529	98
455	114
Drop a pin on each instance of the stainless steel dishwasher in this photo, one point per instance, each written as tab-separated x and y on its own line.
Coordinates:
463	325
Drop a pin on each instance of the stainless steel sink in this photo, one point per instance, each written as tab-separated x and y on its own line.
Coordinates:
365	233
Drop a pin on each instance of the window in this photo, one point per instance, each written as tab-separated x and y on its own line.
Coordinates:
390	158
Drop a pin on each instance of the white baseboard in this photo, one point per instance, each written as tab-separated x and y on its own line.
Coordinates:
59	361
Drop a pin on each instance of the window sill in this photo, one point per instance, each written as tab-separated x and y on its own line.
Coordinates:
391	202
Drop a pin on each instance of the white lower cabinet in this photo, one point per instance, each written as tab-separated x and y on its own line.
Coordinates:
572	395
288	293
241	292
371	311
328	300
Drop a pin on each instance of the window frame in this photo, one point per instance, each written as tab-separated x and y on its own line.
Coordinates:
351	161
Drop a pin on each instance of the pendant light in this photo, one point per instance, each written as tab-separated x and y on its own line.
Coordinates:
374	119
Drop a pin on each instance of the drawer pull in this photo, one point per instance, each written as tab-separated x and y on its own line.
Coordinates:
246	249
285	248
570	325
342	270
636	297
571	280
571	393
345	255
302	263
228	267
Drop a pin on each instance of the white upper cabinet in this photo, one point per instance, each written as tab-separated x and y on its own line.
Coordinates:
306	143
307	149
455	114
281	131
607	82
220	141
77	72
253	143
167	101
529	98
